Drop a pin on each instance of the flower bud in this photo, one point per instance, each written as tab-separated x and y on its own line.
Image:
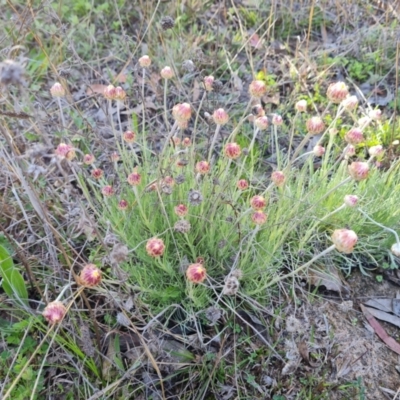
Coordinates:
97	173
167	73
363	121
349	151
277	120
54	312
195	198
90	275
57	90
315	125
375	115
354	136
344	240
155	247
120	93
359	170
186	142
107	191
64	150
182	112
88	159
261	123
259	217
350	200
182	226
337	92
196	273
220	116
375	151
145	61
123	205
115	157
181	210
318	151
350	103
109	92
257	88
202	167
129	136
242	184
278	178
301	106
208	83
258	203
134	178
232	150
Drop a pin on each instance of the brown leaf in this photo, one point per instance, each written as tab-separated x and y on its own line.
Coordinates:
380	331
384	316
327	276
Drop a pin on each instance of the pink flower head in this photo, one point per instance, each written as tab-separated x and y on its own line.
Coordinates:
120	93
359	170
258	203
168	180
97	173
196	273
208	83
54	312
176	141
350	103
109	92
277	120
337	92
57	90
232	150
123	205
115	157
363	121
129	136
167	73
202	167
90	275
315	125
259	217
242	184
88	159
261	123
182	112
186	142
107	191
64	150
220	116
257	88
181	210
145	61
375	115
278	178
349	151
350	200
155	247
354	136
134	178
318	151
301	106
344	240
375	151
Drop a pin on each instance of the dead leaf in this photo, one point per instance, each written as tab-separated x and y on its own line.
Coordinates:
196	91
255	41
384	316
327	276
380	331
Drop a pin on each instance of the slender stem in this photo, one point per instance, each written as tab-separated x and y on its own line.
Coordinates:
292	135
119	116
214	139
143	109
165	102
278	158
61	113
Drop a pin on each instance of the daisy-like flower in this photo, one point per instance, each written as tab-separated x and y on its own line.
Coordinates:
155	247
54	312
196	273
90	275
